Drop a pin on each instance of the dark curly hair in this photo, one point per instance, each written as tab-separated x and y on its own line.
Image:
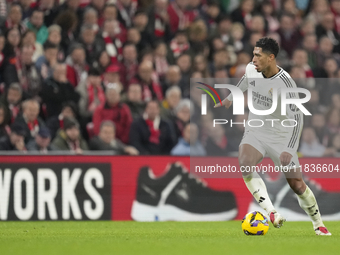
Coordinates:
268	45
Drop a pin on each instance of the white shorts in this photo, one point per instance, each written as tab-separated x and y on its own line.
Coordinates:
272	147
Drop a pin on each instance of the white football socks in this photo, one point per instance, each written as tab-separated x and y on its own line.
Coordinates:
308	203
258	189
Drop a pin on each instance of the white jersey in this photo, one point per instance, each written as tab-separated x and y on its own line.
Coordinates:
262	98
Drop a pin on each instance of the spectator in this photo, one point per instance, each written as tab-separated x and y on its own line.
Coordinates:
318	9
182	114
29	39
42	141
188	145
248	47
288	33
150	88
158	23
223	29
27	73
269	14
198	35
325	51
54	123
15	140
151	135
126	11
50	11
113	42
335	146
333	121
29	119
161	63
92	94
172	98
4	121
91	18
69	138
93	46
46	63
134	101
54	36
201	65
184	63
110	12
36	24
134	37
76	65
310	145
321	131
58	90
107	141
217	142
172	78
129	65
326	28
12	101
220	60
335	8
12	54
179	44
243	58
310	44
258	25
111	75
97	7
300	59
113	109
243	13
211	14
307	27
14	19
140	22
67	21
103	61
71	6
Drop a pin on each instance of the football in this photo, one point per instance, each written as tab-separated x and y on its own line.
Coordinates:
255	223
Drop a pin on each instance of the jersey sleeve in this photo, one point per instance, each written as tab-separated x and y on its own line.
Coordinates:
242	84
293	113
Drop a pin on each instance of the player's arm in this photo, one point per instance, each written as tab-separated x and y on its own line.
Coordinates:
292	143
242	84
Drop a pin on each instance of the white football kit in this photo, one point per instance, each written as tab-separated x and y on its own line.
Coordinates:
274	137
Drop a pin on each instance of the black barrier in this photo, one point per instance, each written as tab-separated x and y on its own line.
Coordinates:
55	191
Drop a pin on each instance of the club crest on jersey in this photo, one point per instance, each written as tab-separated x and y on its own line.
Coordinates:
270	92
252	83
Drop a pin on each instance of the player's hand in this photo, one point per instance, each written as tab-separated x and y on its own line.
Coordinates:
285	158
225	102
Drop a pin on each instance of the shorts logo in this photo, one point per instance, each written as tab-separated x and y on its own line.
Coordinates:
252	83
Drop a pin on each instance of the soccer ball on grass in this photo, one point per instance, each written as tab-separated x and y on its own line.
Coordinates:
255	223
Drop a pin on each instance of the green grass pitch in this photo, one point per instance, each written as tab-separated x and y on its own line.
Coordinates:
108	237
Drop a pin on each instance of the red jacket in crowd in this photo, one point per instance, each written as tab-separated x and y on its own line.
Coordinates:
119	114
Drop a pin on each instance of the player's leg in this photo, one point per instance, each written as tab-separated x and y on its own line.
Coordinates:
306	200
248	157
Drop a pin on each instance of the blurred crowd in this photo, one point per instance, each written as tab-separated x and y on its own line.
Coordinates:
114	75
